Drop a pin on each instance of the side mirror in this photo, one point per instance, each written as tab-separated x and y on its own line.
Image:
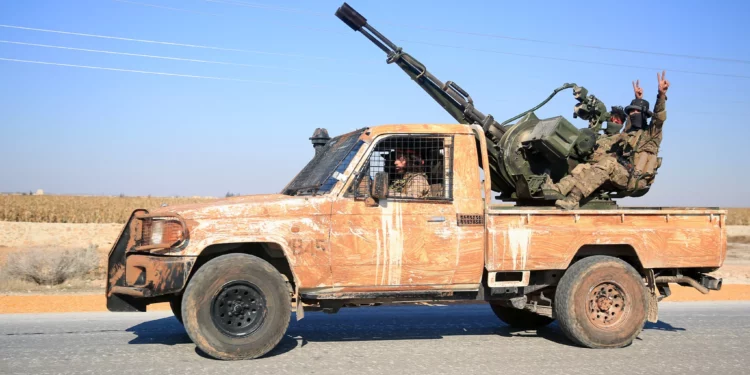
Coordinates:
379	187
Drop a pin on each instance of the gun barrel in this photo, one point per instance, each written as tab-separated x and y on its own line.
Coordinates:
455	100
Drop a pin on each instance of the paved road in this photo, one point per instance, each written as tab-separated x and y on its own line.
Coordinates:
691	338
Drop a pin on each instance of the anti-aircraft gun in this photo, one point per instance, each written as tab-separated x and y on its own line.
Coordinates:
520	155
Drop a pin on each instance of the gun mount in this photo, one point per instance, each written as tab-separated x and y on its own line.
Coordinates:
520	155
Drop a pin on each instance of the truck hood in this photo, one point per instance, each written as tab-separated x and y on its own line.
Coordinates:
266	205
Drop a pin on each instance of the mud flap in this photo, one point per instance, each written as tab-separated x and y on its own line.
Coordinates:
653	298
119	303
300	313
653	308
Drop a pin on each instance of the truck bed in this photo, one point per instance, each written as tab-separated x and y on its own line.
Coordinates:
542	238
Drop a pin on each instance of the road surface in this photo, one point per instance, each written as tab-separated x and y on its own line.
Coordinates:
690	338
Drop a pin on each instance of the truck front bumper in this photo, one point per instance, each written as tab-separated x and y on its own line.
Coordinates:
136	279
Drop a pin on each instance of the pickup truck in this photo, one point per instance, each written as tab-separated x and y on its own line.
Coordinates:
341	235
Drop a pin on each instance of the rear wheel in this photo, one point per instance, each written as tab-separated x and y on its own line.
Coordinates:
237	306
519	318
601	302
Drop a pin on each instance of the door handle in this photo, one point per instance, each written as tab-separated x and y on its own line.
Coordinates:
436	219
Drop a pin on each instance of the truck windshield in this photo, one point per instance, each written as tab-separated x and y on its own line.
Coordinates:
318	176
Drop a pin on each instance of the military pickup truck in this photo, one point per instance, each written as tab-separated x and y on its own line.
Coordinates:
356	227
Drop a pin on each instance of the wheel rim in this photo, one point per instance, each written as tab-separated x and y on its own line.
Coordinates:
238	309
607	305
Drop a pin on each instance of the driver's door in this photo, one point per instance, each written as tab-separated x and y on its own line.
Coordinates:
407	241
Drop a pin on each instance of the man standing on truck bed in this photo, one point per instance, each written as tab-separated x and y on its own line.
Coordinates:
644	140
633	167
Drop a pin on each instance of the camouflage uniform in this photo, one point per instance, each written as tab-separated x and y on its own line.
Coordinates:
592	176
640	152
605	146
411	185
643	145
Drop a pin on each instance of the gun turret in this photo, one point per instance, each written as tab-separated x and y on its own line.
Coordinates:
521	156
449	95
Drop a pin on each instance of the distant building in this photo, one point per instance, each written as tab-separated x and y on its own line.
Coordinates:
39	192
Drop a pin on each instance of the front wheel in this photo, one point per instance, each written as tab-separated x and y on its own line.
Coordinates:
237	306
520	318
601	302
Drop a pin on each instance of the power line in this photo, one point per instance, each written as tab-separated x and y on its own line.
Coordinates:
163	57
223	15
578	61
487	35
267	7
261	6
602	48
164	43
166	7
154	73
402	40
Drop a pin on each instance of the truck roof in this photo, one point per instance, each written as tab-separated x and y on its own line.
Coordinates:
420	128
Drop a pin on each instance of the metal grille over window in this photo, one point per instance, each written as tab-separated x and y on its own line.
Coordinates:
417	168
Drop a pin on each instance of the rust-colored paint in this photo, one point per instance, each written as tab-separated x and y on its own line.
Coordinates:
160	274
298	225
337	244
115	273
549	239
395	243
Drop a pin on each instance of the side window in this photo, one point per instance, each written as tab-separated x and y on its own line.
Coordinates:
418	168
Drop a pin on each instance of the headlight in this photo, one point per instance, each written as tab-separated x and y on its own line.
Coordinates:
157	231
160	232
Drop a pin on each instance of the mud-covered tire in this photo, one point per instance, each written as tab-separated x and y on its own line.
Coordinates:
601	302
518	318
175	303
212	283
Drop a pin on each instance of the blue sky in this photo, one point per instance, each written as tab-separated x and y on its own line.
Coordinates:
82	131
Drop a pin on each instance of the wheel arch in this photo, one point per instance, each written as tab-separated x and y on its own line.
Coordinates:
624	251
273	252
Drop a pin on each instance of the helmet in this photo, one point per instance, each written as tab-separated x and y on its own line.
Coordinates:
618	112
641	105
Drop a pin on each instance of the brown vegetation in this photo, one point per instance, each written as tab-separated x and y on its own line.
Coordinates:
79	209
738	216
48	267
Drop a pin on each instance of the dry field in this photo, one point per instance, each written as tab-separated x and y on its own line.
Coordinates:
79	209
99	209
738	216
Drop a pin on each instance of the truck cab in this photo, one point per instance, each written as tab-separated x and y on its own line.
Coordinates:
355	229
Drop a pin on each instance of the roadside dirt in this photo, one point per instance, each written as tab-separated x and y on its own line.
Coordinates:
28	304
